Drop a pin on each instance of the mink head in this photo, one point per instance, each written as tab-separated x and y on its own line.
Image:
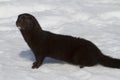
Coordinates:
27	22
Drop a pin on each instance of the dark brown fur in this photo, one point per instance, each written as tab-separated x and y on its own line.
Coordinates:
73	50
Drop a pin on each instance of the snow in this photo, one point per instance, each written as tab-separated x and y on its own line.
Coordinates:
95	20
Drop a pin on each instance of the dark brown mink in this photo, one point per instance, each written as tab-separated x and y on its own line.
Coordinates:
77	51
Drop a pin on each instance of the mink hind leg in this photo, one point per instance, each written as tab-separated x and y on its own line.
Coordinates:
82	58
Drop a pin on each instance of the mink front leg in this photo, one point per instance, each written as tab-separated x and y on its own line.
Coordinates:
38	62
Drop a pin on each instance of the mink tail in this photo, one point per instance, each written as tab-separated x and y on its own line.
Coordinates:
109	61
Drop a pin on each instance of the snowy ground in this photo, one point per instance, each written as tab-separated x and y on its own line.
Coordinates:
95	20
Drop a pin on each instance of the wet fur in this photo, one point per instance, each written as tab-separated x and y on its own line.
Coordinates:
73	50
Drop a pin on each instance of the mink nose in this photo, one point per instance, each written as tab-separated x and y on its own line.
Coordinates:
17	23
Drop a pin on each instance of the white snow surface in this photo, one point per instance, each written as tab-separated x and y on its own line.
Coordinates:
95	20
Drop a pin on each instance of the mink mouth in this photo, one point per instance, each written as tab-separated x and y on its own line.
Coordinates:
18	25
20	28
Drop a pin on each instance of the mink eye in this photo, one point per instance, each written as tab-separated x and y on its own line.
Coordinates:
21	17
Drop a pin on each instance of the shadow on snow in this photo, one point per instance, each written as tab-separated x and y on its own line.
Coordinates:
28	55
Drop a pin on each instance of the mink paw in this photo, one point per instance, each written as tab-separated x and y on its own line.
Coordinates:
35	65
82	66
